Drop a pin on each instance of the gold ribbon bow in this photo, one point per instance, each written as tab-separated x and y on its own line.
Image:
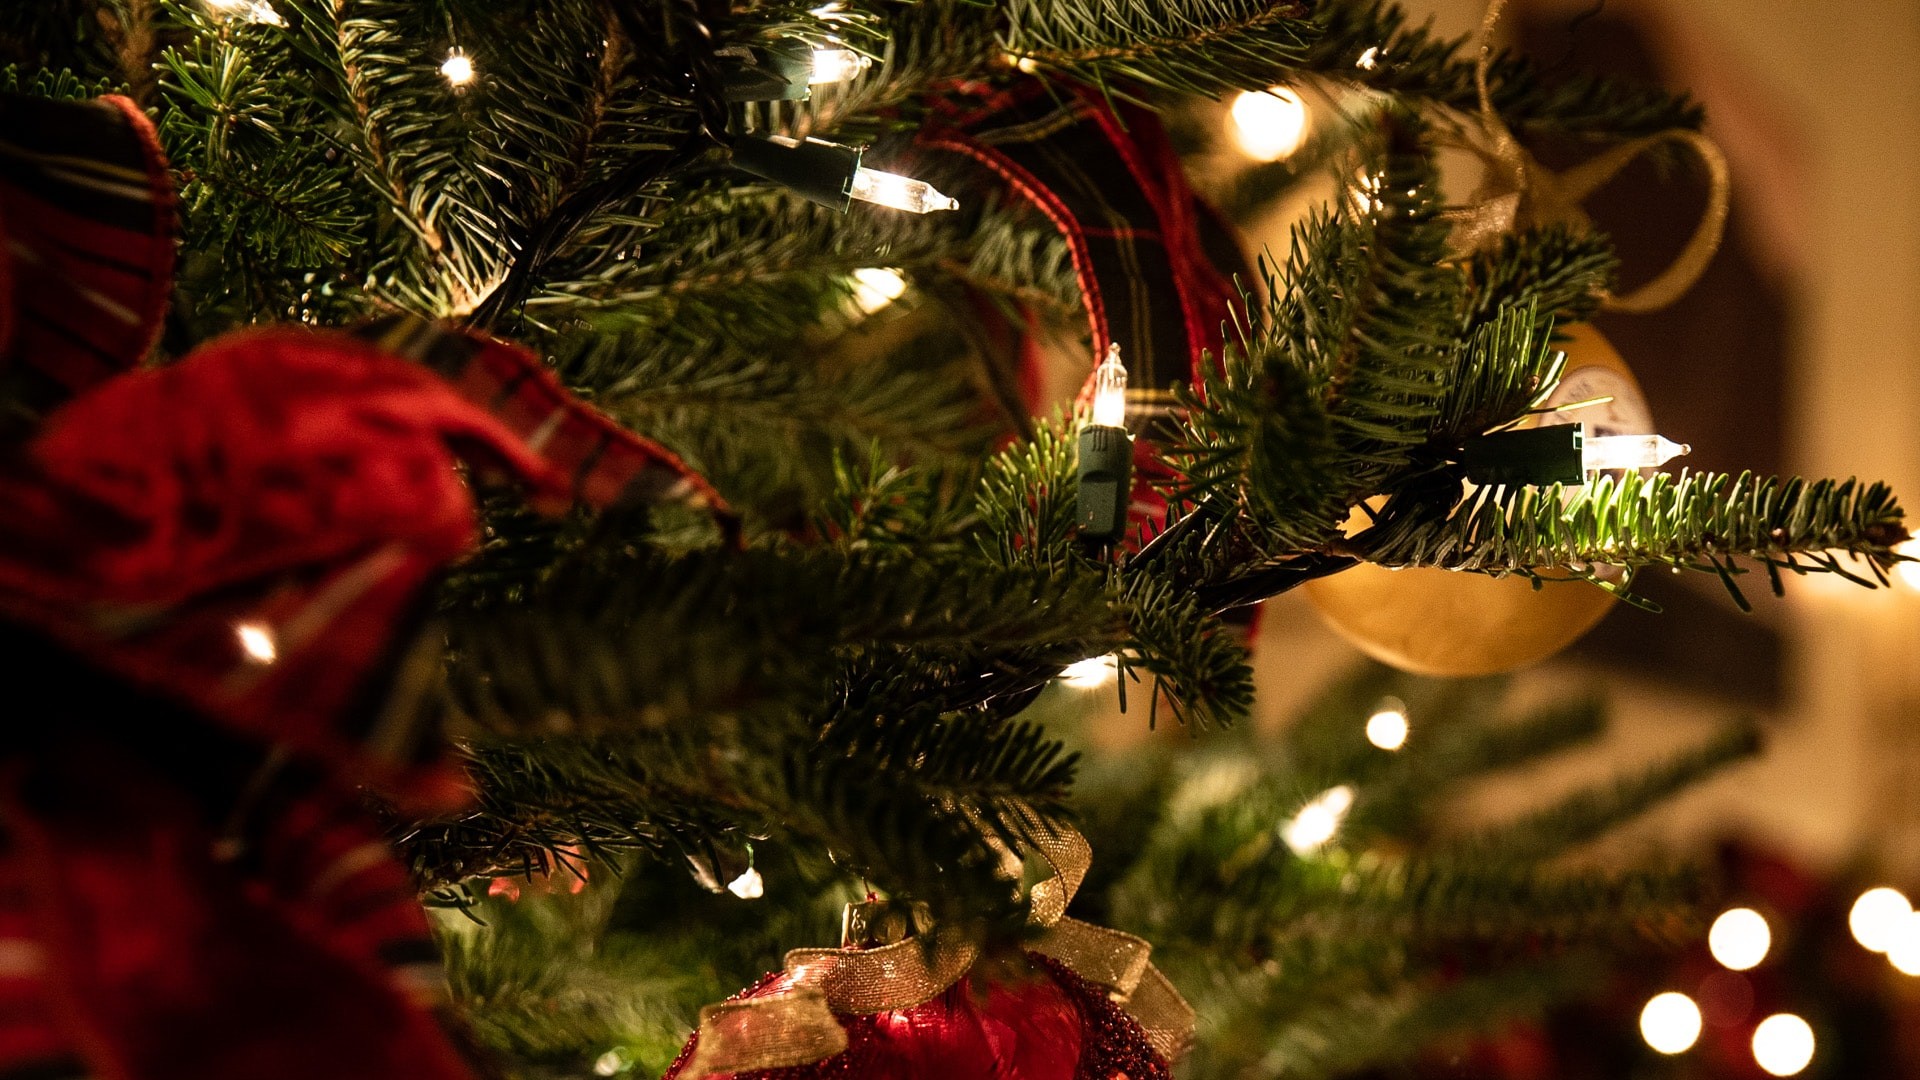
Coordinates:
1519	193
796	1025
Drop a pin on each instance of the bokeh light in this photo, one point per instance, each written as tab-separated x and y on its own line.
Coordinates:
1318	821
1670	1022
1904	953
1879	917
457	68
1091	673
1739	938
1783	1044
1387	727
1269	125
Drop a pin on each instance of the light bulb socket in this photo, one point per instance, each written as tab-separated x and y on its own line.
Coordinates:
1105	487
1539	456
814	169
774	71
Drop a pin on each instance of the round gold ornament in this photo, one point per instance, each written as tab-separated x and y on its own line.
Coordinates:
1443	622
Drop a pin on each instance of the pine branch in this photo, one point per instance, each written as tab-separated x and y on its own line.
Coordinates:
1190	46
1410	62
1700	521
1192	656
1507	367
1588	815
1386	1027
1385	377
1559	273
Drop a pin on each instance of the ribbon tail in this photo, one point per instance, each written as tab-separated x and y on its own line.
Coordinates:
1692	262
794	1027
1162	1014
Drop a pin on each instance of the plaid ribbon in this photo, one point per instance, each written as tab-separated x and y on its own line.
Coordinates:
86	219
136	941
604	464
190	885
1154	261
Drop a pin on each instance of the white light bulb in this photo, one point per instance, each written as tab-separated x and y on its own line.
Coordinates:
1369	59
1739	938
257	642
1670	1022
748	886
836	65
258	12
1387	727
1878	918
874	287
1091	673
1366	186
1904	952
457	68
1598	453
1318	821
1269	124
611	1063
1783	1044
1110	390
899	192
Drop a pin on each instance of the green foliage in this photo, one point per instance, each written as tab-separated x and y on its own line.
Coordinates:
1409	62
859	699
1699	521
1189	46
1401	930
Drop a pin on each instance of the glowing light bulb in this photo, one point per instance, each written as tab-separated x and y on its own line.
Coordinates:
1369	59
257	641
1599	453
1670	1022
1269	124
258	12
1904	952
1908	573
875	287
1739	938
1879	917
836	65
1783	1044
899	192
1091	673
611	1063
748	886
457	69
1387	727
1366	187
1110	390
1318	821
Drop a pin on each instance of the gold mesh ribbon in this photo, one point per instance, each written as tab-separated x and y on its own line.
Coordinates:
795	1025
792	1027
1520	193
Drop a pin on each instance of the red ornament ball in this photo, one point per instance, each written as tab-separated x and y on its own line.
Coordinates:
1031	1021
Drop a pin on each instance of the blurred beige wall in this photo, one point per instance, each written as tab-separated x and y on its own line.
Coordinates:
1818	105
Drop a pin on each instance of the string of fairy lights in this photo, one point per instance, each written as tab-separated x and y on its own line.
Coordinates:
1740	939
1265	126
826	173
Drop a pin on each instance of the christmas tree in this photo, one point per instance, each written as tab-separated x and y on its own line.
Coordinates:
522	512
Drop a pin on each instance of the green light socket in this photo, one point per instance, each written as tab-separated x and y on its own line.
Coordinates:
1539	456
776	71
1106	482
814	169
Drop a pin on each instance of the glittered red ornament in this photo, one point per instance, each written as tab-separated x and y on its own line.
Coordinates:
1014	1019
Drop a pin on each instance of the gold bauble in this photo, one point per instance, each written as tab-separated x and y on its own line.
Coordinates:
1443	622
